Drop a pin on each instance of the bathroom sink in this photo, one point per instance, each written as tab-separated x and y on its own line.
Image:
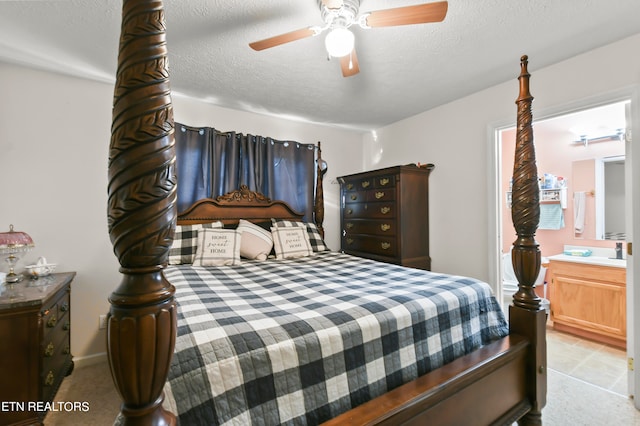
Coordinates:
591	260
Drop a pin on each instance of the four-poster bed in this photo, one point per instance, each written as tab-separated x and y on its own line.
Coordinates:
498	383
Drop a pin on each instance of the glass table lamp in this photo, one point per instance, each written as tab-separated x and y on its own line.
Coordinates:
12	244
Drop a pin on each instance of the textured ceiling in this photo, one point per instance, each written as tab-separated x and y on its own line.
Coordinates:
403	70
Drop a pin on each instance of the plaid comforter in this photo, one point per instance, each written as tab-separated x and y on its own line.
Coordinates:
301	341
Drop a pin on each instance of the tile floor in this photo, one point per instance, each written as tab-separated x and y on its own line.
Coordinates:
589	361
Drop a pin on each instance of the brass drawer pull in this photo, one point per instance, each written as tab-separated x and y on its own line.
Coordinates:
64	307
349	186
385	227
48	352
52	322
385	246
49	379
349	241
366	184
349	211
384	181
379	195
385	210
66	326
66	350
349	225
354	197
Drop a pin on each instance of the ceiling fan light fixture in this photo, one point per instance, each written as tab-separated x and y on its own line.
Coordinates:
339	42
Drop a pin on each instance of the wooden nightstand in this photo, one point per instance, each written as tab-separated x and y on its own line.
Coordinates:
35	354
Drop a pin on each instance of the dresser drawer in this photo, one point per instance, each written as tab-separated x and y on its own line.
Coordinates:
56	312
387	181
355	196
54	355
384	181
369	210
56	370
56	338
374	195
374	227
381	194
385	246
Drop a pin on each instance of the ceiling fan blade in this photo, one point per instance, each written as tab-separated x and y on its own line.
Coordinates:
418	14
282	39
349	64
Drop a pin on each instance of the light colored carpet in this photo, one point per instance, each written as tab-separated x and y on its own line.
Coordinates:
570	401
94	386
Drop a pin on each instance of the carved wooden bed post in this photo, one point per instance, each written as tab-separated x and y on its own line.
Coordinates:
318	205
141	328
527	317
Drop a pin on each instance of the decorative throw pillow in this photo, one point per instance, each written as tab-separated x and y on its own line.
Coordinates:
317	243
291	242
217	247
185	242
255	241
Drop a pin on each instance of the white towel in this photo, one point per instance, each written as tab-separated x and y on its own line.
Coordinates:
578	211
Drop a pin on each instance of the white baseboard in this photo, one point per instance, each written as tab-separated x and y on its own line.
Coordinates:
85	361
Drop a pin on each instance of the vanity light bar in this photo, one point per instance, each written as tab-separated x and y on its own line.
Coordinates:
619	136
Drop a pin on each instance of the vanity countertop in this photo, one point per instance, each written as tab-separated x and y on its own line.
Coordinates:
591	260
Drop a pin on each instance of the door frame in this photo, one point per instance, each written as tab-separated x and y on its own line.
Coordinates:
632	174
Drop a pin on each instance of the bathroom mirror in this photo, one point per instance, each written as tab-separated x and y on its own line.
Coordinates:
612	217
598	198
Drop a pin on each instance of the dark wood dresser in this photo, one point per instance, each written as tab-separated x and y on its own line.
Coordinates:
35	353
385	215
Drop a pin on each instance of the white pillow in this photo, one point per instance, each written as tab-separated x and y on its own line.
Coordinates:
185	242
255	241
217	247
291	242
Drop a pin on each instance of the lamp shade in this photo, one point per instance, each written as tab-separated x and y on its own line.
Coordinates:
339	42
15	241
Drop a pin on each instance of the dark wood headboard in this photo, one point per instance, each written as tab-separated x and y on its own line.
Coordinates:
240	204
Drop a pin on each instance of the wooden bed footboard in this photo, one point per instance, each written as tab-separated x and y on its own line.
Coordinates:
498	383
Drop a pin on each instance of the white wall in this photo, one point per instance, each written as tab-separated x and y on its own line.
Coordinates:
55	130
456	138
54	138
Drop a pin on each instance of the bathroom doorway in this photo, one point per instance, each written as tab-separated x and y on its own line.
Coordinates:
588	132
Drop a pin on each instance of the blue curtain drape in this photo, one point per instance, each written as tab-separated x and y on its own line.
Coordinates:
211	163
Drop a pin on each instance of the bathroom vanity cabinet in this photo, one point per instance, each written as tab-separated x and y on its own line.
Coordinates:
589	300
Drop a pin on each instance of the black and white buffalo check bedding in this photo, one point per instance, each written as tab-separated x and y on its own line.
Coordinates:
300	341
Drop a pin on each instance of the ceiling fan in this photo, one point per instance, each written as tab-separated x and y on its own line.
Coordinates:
339	15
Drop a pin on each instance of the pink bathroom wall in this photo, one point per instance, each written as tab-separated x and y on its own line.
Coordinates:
555	153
